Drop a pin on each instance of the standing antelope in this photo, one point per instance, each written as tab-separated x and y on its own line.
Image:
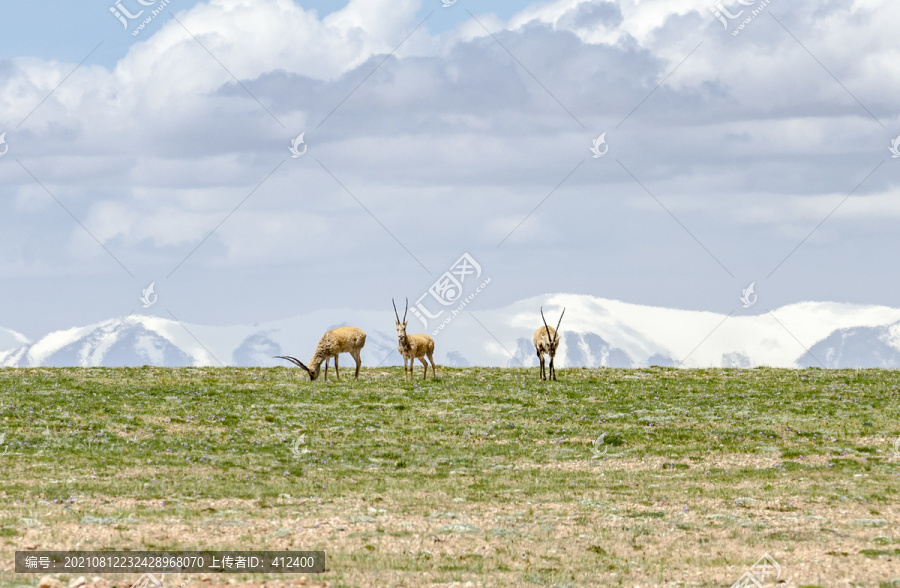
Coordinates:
413	347
546	340
333	343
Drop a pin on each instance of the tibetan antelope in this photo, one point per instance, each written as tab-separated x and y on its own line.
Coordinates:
546	340
334	342
413	347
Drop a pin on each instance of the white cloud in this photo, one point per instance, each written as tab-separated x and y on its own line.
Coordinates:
451	141
31	198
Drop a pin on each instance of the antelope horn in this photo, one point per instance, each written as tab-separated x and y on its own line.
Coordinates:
395	310
405	310
560	319
294	360
545	323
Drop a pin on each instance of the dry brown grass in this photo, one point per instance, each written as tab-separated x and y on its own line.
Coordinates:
681	538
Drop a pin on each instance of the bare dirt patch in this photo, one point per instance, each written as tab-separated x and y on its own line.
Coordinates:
661	535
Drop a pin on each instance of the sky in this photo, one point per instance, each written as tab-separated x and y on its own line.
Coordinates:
669	153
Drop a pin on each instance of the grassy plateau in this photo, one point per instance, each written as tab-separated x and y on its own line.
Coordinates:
480	477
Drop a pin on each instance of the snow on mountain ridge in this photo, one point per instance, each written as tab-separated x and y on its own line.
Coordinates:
11	339
596	331
701	338
43	348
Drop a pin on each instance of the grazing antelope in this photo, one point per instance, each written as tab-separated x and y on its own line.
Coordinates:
546	340
413	347
334	342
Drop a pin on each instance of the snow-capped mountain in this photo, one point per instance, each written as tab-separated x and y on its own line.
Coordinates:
858	346
595	332
12	347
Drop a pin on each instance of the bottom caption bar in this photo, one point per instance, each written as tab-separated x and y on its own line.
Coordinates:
184	562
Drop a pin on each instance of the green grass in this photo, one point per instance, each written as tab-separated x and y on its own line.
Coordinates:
485	437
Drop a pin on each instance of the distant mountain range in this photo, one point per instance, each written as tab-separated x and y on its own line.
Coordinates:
595	331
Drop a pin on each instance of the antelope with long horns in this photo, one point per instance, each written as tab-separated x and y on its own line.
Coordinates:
334	342
413	347
546	340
